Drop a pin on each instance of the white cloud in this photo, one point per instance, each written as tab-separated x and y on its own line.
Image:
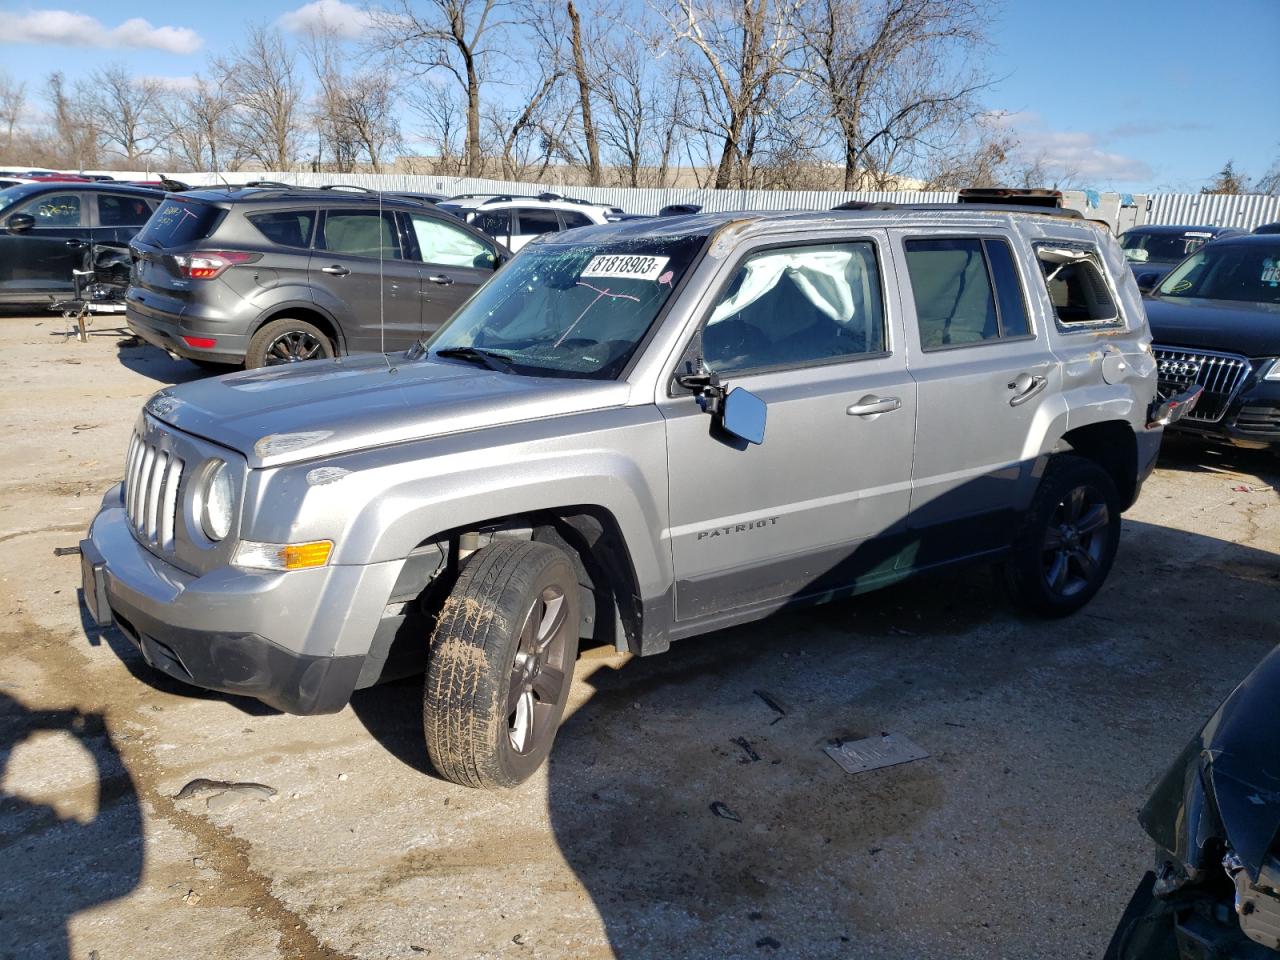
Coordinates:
63	28
1070	154
345	19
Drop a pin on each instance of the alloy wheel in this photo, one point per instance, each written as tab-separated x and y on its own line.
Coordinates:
538	674
1075	541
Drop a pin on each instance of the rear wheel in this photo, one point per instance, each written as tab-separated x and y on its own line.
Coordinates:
1068	538
287	341
501	663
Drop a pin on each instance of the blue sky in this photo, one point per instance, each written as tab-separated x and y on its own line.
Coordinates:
1126	95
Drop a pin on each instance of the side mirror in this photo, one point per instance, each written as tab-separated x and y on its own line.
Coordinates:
1147	282
738	412
744	415
20	223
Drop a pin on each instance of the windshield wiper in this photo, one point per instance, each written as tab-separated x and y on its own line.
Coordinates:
494	361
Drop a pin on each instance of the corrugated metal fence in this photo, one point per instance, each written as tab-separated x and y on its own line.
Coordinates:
1119	210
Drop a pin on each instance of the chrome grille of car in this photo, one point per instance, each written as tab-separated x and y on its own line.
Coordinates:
1221	374
151	478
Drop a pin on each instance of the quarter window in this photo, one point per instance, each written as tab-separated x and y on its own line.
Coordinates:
438	242
966	291
289	228
1077	289
362	233
797	306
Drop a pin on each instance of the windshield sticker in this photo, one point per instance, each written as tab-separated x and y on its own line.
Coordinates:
1271	271
622	267
1197	233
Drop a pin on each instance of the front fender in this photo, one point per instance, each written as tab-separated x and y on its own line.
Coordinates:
379	504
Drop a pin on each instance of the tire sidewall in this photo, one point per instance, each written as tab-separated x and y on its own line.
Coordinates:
558	570
1026	563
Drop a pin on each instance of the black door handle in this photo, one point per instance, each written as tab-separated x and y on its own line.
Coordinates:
441	279
74	244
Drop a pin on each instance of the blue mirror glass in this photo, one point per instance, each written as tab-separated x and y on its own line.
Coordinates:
745	415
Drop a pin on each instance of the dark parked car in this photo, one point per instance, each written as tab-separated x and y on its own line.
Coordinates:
1152	251
1268	228
1215	321
1215	818
47	227
254	276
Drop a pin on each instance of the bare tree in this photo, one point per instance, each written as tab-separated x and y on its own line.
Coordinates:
355	112
735	52
885	69
125	108
453	36
443	124
13	100
583	77
261	80
75	126
197	125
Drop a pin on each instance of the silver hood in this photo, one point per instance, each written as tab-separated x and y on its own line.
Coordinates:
305	411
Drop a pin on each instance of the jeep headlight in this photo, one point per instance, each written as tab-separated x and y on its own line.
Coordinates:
219	493
1274	372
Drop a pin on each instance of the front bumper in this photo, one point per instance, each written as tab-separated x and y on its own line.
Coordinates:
296	641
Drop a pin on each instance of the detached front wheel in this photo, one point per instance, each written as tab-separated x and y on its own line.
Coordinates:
501	663
1068	538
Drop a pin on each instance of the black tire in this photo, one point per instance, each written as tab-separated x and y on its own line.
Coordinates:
287	341
503	650
214	366
1067	540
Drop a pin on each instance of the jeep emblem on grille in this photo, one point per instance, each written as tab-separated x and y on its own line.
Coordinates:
1179	368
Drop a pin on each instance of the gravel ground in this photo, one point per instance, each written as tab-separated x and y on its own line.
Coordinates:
1015	838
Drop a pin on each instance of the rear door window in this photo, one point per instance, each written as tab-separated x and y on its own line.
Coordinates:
179	222
360	233
115	210
954	282
534	222
289	228
55	210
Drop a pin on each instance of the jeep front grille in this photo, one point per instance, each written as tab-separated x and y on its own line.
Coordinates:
151	478
1221	374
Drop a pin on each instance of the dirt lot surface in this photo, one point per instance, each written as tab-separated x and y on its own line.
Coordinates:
1016	837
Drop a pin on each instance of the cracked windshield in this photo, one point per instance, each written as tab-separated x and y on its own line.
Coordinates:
569	310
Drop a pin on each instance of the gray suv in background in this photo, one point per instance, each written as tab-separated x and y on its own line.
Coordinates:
262	276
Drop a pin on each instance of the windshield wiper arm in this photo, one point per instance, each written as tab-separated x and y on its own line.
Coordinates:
494	361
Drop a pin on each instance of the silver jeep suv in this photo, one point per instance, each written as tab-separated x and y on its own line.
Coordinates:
633	433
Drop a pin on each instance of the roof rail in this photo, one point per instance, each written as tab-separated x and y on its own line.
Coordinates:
348	187
973	205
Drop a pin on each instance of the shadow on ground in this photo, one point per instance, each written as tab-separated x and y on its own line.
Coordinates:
58	864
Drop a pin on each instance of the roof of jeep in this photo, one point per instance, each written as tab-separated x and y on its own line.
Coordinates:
757	221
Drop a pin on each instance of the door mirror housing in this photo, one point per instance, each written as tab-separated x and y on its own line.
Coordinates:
20	223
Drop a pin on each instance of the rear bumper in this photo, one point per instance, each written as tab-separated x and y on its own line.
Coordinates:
165	330
234	631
